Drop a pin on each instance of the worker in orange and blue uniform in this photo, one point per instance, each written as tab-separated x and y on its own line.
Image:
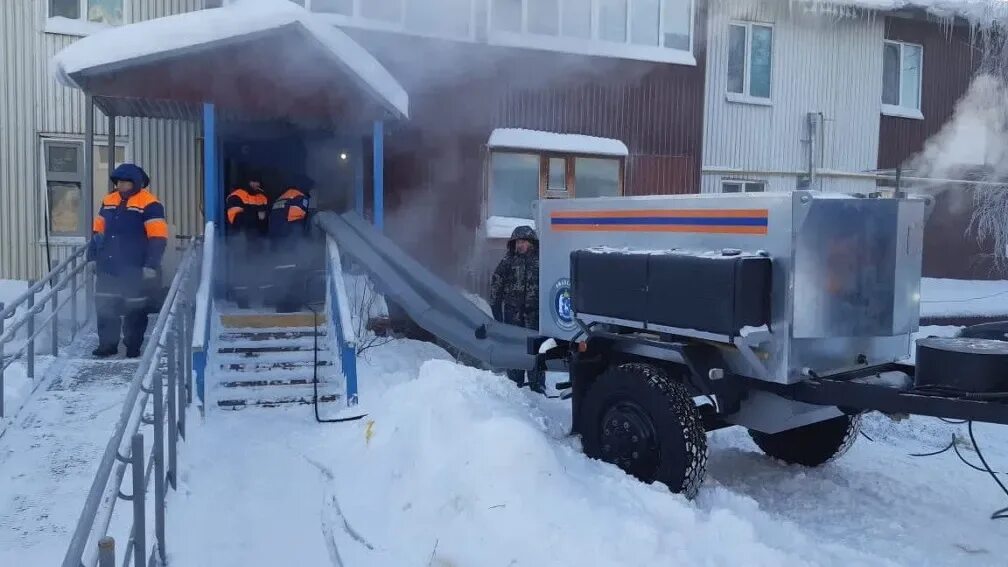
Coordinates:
288	232
129	238
246	217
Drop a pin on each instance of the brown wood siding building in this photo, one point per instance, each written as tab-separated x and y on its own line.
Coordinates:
436	163
951	58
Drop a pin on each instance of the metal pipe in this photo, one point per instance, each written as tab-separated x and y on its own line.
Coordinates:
30	343
73	301
40	285
173	379
106	552
139	491
128	420
54	332
157	387
848	174
111	149
87	186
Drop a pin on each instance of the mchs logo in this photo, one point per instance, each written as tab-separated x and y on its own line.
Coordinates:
563	313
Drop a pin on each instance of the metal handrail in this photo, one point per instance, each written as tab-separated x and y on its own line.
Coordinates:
72	274
340	315
169	340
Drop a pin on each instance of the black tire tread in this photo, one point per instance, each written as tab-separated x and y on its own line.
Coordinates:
681	405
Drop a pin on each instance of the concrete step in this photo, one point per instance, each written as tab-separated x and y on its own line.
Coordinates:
268	367
271	320
272	335
242	403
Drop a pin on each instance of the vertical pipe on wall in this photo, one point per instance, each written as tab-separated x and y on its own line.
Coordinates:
210	196
111	147
358	179
378	139
88	185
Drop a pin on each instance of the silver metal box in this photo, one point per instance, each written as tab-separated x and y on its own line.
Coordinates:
845	276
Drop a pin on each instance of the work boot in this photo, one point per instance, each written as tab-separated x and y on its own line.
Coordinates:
105	351
537	382
133	352
517	376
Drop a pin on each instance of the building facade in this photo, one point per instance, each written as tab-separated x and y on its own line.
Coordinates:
724	96
42	129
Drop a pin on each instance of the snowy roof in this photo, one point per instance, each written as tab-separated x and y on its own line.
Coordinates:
205	28
976	11
517	138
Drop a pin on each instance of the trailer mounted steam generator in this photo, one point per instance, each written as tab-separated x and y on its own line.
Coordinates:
789	314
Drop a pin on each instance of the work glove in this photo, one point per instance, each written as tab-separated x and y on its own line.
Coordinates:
149	274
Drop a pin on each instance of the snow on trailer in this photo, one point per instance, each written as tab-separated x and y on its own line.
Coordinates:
791	314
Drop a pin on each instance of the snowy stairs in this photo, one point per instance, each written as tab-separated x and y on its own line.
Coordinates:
267	361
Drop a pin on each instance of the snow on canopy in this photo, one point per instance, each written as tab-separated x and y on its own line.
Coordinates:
244	17
518	138
978	12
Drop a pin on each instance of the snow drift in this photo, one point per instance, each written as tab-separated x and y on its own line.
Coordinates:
460	468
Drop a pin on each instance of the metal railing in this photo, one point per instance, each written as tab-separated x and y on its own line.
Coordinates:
59	290
162	381
338	307
200	340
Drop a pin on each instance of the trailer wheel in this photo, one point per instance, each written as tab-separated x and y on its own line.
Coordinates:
811	445
638	418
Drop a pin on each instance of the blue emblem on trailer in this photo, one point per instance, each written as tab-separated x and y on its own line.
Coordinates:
563	312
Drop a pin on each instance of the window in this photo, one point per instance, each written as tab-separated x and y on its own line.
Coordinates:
64	171
438	18
750	60
902	65
97	11
519	178
514	183
655	30
738	186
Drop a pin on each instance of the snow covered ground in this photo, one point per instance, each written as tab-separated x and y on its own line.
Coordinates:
50	451
963	298
454	466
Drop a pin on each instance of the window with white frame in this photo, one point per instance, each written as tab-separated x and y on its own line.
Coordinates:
519	177
440	18
96	11
750	59
902	74
64	182
640	29
743	186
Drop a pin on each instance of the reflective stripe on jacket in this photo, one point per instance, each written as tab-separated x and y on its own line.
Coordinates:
129	233
243	208
288	213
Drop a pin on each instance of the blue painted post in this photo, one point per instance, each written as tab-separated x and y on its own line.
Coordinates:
210	163
379	174
358	179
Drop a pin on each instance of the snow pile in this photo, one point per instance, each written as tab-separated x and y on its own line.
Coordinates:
237	19
963	298
502	227
460	468
519	138
979	12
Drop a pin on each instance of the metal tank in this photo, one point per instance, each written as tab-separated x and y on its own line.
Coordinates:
845	271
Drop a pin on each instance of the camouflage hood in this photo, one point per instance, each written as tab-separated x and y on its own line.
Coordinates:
523	233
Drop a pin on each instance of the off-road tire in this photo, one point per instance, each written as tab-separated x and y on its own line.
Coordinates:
811	445
674	450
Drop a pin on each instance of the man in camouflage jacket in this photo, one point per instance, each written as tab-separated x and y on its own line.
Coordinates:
514	292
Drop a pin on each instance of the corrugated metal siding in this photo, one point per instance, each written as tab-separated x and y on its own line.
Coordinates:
950	61
821	63
20	217
33	105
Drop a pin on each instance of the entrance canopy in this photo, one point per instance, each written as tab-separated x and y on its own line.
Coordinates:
253	59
